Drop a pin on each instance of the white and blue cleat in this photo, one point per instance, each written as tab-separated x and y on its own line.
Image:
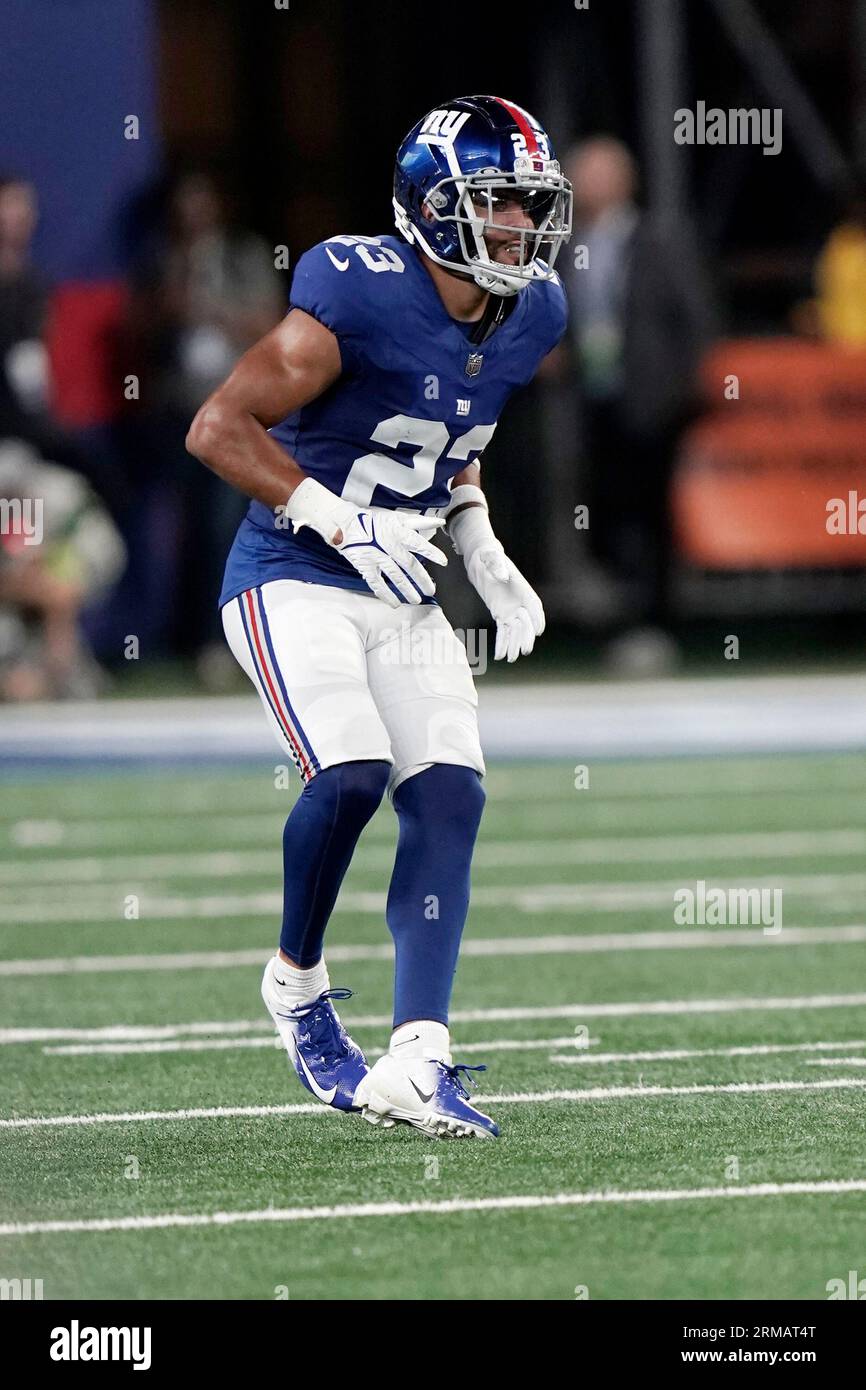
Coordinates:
425	1093
325	1058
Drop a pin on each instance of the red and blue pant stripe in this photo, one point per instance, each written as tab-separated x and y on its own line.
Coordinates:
271	683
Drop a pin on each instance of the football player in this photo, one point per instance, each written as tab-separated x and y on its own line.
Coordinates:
357	428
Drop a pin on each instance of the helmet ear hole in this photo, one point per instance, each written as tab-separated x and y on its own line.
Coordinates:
433	203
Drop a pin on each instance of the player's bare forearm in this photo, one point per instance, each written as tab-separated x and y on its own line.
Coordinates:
472	475
288	368
235	444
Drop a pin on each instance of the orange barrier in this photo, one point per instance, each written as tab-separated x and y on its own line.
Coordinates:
776	478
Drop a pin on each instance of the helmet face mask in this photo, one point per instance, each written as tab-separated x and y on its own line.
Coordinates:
454	186
480	203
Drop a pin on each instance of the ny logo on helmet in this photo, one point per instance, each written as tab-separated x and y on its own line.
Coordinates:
443	125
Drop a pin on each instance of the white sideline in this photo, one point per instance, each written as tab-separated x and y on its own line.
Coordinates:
451	1206
645	1008
516	1098
681	939
591	849
572	719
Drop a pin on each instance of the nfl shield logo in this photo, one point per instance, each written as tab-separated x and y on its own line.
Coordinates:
473	363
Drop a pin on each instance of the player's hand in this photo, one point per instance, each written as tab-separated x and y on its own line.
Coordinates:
384	547
387	548
512	602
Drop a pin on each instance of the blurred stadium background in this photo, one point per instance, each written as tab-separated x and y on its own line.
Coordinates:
706	408
162	166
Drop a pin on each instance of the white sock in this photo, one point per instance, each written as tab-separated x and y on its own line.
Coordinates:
422	1038
294	986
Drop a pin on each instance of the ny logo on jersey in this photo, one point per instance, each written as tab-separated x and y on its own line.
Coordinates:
463	406
442	126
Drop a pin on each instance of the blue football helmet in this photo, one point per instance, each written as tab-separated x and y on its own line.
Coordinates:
461	165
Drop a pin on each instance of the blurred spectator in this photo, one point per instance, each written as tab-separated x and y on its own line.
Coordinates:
640	318
204	294
840	278
23	295
59	551
212	291
25	372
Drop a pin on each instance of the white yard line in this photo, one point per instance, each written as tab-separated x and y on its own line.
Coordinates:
646	1008
680	939
130	1032
537	898
449	1207
709	1088
120	1049
222	863
577	1056
252	790
36	833
837	1062
273	1040
216	1112
613	849
516	1098
40	833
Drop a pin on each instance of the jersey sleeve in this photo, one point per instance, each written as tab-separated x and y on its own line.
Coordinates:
557	312
549	320
327	284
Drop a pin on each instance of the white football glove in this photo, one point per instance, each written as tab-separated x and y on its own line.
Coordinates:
512	602
379	543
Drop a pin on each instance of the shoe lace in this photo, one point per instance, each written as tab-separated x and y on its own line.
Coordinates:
459	1086
324	1030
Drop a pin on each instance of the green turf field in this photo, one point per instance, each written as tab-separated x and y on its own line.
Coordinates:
574	1006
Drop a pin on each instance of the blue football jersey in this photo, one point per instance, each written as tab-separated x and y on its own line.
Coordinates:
416	401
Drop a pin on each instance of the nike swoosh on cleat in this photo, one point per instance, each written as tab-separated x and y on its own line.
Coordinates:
408	1040
326	1096
420	1094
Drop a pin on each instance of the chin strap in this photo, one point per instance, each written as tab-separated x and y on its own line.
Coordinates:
495	313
